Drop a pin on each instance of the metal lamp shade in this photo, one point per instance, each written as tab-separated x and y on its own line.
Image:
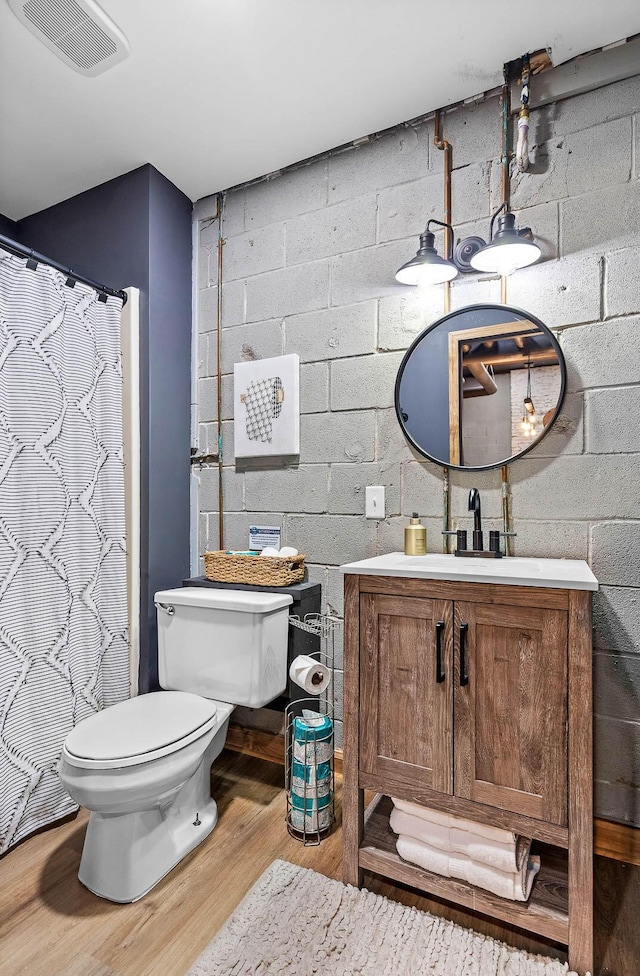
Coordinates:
427	267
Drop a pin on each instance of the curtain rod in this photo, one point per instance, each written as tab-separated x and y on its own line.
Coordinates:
26	252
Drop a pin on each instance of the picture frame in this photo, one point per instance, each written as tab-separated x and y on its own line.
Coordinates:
266	401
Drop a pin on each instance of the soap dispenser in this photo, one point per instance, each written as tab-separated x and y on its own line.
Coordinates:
415	537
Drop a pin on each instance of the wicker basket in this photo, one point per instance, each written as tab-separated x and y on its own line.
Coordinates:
255	570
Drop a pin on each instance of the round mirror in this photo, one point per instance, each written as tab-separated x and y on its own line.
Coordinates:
480	387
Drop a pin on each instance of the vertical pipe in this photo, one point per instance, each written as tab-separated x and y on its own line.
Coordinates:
506	510
445	146
505	101
446	509
219	373
506	194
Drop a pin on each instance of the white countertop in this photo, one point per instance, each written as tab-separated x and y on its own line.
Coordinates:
564	574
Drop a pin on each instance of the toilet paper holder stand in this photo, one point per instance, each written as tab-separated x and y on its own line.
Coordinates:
309	748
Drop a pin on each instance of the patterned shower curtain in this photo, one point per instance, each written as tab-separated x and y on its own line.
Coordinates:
63	583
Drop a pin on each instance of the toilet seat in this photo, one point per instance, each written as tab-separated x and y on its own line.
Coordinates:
140	730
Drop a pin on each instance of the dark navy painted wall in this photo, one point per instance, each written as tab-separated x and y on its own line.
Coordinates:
136	231
169	391
102	233
8	227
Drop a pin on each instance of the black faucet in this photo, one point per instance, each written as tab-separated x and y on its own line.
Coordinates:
474	506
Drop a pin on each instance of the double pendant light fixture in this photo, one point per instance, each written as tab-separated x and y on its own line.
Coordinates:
508	250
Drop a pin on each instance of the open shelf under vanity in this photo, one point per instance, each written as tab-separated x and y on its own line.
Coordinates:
545	914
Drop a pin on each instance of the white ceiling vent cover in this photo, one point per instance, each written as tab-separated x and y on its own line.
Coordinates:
78	31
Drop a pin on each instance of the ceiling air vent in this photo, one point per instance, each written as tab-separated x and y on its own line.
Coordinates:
78	31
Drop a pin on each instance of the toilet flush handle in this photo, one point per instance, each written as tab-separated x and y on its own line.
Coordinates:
167	608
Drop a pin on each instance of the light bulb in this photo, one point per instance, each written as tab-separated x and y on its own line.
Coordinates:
505	258
508	250
425	275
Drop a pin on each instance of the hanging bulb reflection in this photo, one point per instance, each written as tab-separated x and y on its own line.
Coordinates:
529	426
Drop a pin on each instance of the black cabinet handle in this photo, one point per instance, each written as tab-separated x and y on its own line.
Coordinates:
464	675
440	675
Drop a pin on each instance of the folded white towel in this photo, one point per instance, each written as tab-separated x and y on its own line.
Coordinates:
516	886
505	857
451	821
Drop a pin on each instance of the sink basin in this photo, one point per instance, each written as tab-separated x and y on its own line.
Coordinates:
570	574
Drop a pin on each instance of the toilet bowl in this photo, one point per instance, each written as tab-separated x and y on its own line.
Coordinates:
142	767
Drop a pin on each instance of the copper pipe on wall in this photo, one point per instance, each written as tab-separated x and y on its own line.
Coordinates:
505	101
219	211
446	509
503	289
445	146
506	510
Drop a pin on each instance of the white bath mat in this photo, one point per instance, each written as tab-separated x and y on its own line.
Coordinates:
294	922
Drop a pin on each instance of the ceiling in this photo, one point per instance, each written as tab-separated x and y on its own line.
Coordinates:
217	92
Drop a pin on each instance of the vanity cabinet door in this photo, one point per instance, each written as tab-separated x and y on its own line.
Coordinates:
406	690
510	708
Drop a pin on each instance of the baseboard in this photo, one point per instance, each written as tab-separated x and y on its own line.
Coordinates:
620	842
254	742
265	745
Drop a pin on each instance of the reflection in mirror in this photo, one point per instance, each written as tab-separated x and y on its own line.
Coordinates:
480	387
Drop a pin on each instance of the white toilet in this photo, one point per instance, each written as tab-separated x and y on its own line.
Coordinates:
143	767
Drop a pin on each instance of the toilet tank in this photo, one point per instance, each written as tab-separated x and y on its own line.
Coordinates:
229	645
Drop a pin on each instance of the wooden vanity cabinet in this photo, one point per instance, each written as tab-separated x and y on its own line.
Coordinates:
406	681
510	708
475	699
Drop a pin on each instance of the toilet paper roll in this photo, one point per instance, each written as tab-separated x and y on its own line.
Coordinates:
310	803
311	675
312	738
313	752
310	775
317	792
312	821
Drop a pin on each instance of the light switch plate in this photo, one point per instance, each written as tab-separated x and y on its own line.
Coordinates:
374	501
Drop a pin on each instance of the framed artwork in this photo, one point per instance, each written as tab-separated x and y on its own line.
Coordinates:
266	402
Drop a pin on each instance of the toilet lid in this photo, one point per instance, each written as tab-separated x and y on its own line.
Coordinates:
139	726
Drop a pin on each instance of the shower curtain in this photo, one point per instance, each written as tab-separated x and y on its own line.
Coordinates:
63	583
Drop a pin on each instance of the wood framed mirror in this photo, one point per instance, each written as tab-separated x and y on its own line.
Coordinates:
480	387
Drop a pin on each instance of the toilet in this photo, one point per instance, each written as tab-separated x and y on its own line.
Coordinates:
142	767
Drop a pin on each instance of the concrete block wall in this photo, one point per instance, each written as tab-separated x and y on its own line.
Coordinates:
309	265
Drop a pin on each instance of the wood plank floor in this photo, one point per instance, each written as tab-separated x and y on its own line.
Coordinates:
51	926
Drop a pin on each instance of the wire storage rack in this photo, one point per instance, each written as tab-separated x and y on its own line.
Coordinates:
309	741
